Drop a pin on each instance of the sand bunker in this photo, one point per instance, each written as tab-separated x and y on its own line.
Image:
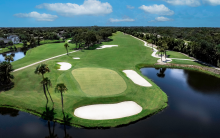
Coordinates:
76	58
68	41
108	111
136	78
106	46
64	65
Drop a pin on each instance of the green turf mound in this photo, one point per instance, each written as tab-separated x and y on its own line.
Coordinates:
99	81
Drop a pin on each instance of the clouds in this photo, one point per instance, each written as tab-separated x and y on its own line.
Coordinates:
212	2
37	16
89	7
161	19
121	20
130	7
192	3
157	9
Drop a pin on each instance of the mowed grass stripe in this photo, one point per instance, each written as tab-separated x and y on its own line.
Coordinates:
99	81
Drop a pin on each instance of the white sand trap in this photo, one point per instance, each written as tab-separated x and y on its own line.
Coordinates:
64	65
136	78
106	46
76	58
108	111
68	41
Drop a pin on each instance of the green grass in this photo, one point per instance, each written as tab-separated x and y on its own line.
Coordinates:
174	54
42	52
50	41
27	94
57	66
3	50
187	62
99	81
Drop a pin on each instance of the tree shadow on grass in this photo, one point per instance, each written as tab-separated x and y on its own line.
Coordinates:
6	87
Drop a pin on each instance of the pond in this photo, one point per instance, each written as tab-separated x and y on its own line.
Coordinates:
193	112
20	53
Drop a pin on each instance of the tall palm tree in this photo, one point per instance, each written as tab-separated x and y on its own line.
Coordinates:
9	58
61	87
165	47
66	46
42	69
48	83
43	83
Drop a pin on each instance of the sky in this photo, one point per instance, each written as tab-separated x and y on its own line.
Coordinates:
57	13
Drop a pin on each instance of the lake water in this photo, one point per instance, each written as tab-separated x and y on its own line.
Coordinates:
193	112
16	54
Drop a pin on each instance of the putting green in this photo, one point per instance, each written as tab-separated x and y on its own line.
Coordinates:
99	81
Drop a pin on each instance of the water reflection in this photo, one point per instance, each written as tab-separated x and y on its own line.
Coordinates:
161	74
202	82
9	111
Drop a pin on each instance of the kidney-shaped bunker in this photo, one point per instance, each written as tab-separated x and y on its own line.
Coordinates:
108	111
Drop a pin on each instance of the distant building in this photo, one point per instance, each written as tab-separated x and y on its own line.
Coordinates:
14	38
5	40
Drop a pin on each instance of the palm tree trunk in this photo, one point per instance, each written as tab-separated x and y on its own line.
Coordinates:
62	99
67	51
45	93
165	55
50	96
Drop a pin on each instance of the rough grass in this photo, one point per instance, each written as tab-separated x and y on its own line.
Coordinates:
99	81
57	66
187	62
173	54
27	94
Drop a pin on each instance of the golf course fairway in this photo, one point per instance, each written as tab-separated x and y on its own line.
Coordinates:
97	78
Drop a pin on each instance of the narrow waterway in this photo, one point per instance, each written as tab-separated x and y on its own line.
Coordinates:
193	112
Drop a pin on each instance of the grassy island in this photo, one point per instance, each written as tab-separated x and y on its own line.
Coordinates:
96	78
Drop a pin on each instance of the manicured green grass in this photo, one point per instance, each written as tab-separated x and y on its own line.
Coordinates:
27	94
42	52
99	81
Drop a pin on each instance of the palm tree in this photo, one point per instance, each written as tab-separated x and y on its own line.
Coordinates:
61	87
43	83
9	58
66	46
42	69
165	47
47	83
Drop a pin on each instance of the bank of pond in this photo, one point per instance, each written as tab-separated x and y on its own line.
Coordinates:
193	111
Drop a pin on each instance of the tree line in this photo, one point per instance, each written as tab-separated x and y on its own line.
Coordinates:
200	43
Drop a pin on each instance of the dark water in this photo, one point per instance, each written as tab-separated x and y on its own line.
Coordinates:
193	112
20	53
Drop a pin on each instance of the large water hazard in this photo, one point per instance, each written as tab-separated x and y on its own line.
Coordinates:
193	112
